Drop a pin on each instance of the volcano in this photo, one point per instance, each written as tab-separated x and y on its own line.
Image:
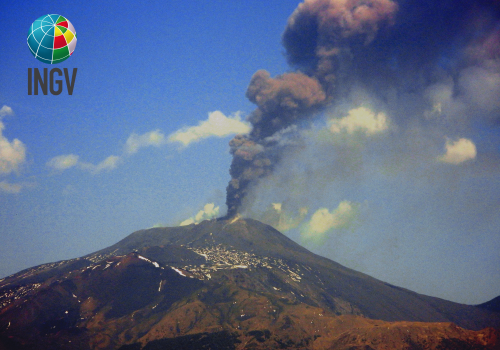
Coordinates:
225	284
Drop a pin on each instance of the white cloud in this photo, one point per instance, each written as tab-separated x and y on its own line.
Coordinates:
152	138
323	221
63	162
360	119
217	125
208	212
12	154
6	110
10	188
458	151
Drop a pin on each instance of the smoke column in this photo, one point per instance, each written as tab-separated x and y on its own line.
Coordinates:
315	40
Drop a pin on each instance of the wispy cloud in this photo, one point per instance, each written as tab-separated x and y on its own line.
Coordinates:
10	188
458	151
217	125
107	164
67	161
63	162
133	144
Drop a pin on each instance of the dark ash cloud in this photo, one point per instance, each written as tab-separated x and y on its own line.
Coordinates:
443	57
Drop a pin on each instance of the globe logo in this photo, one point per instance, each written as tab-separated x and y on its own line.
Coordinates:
52	39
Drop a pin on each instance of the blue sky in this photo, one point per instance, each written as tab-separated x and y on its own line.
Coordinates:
368	188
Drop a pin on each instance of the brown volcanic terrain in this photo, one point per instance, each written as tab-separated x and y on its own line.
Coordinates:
225	285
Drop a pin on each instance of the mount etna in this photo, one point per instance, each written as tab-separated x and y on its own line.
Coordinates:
384	123
226	284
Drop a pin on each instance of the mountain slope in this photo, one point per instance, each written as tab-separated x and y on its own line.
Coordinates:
492	305
375	299
221	282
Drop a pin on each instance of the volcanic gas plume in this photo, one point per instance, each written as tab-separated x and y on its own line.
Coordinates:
315	40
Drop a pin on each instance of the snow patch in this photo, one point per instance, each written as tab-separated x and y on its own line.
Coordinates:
149	261
203	255
240	267
178	271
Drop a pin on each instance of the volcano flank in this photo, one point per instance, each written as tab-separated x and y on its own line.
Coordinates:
225	284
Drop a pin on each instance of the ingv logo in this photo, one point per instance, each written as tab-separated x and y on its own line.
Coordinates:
51	39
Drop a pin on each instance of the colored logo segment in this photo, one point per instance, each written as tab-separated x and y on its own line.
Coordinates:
52	39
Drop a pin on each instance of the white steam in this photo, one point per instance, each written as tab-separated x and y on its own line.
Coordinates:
360	119
208	212
324	221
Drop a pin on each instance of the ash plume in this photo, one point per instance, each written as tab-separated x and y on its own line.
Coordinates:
407	129
315	41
